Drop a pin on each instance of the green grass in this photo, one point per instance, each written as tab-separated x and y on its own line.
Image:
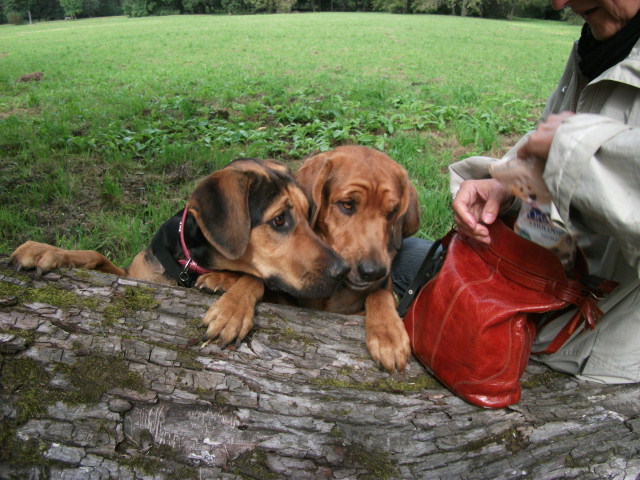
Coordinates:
131	113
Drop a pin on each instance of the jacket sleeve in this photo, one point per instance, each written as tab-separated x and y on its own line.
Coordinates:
593	173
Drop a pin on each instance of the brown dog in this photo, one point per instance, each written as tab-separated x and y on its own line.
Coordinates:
236	234
363	205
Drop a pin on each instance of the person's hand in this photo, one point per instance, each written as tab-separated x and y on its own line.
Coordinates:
476	205
539	142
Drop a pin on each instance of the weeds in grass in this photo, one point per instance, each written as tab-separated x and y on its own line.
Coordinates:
293	130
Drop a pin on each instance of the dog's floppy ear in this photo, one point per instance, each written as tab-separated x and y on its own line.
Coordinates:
220	205
408	222
312	177
411	218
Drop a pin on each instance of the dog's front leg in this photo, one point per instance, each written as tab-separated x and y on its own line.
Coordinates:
387	339
231	317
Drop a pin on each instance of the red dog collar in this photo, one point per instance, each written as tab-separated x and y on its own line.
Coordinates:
189	264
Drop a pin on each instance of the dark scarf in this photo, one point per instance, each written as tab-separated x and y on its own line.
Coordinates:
597	56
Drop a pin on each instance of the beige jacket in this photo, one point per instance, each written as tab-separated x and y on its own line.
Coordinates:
593	173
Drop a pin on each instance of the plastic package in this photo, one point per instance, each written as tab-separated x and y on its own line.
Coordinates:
523	177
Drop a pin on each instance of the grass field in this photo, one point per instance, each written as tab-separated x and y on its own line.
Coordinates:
131	113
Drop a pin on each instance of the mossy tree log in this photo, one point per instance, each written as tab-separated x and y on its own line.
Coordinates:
103	377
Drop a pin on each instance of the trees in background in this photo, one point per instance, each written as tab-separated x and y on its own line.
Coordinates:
18	11
477	8
71	8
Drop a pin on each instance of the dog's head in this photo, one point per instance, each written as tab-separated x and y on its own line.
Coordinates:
363	204
254	216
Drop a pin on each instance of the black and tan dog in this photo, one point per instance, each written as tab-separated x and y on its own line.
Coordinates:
363	205
236	234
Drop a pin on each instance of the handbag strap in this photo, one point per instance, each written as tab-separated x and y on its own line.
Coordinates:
588	313
564	289
569	328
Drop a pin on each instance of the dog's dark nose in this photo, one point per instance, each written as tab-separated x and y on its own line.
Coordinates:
371	271
338	268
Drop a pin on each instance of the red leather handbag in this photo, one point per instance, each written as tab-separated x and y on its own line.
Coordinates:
472	325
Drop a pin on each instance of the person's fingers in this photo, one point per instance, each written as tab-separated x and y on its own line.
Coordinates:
490	210
539	142
463	208
476	205
463	216
463	226
479	232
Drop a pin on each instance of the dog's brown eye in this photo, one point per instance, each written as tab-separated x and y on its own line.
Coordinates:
282	223
392	213
279	221
348	207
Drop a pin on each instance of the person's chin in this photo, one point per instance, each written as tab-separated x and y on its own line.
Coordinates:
602	30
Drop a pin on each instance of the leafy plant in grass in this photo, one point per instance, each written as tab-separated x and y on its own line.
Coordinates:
295	129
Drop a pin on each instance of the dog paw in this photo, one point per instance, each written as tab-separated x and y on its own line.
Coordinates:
217	281
41	256
229	319
389	345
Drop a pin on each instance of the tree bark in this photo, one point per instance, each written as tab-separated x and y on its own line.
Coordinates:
512	10
106	378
